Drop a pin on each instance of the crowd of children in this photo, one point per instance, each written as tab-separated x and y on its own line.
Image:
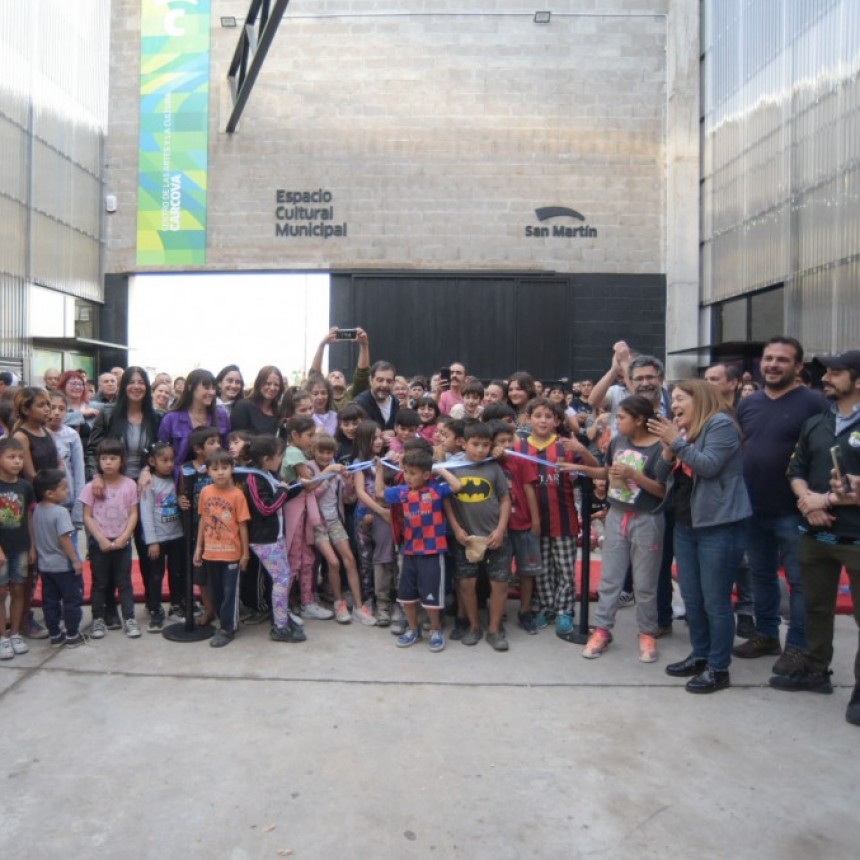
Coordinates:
331	510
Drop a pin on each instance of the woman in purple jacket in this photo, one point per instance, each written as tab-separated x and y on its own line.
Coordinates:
195	408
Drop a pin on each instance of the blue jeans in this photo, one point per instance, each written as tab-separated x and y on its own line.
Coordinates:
706	575
224	591
62	599
769	541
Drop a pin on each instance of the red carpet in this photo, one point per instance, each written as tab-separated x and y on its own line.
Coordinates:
843	601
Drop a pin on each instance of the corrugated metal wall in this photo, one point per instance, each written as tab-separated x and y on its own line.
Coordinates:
54	67
781	160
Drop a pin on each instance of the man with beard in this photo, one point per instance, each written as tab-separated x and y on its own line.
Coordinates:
378	403
771	420
582	391
831	531
641	375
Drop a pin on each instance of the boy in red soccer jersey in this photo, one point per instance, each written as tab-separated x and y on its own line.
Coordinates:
558	518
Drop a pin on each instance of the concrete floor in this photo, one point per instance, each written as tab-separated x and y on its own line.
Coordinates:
347	747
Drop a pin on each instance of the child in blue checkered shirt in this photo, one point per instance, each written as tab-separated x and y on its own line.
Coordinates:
424	524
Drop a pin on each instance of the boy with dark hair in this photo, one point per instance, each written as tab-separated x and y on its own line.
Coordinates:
422	579
203	442
479	514
405	428
59	565
558	519
449	438
16	545
500	412
222	542
524	524
473	396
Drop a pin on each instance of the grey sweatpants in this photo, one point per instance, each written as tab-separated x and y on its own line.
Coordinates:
632	539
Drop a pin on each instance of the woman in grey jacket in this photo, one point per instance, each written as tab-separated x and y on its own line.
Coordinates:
703	470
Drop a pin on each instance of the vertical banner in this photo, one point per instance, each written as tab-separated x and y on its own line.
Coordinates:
174	132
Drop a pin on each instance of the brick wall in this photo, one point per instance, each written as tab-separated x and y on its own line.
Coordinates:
437	135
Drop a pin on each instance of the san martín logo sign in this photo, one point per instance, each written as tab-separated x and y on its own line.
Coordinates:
562	230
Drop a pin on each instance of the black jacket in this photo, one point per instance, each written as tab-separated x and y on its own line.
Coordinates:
368	403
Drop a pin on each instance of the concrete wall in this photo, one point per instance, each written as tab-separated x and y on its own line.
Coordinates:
438	128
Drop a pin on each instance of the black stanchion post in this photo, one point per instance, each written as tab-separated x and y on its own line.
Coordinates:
580	636
188	630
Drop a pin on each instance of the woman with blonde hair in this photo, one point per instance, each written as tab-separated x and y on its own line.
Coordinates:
702	467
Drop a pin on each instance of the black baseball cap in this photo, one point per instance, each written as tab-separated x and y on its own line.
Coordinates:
846	361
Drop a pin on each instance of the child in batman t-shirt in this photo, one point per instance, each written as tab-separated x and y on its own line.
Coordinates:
479	515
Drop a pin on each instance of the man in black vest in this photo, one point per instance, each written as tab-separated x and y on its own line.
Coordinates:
831	527
379	404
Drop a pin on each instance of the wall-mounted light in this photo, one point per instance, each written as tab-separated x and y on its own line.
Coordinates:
228	22
540	17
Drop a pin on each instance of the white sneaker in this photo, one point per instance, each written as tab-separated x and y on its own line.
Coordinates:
314	610
98	630
132	630
7	652
341	613
19	646
364	615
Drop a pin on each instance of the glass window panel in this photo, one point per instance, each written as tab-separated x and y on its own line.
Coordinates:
733	320
767	314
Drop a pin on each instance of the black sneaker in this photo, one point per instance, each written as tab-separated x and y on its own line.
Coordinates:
527	622
745	628
290	633
758	646
804	680
112	621
156	622
76	641
791	660
220	639
852	714
461	628
59	640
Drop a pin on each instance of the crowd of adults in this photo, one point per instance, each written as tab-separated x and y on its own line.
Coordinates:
761	475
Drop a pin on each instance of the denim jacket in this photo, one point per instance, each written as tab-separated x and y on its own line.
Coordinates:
719	492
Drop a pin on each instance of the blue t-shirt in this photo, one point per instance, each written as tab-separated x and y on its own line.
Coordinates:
771	428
